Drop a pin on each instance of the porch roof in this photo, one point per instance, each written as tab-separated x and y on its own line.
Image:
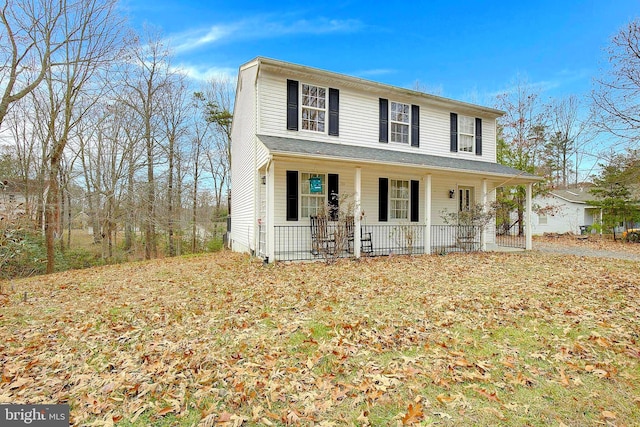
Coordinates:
334	151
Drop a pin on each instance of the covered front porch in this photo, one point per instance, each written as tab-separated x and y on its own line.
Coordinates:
296	243
394	202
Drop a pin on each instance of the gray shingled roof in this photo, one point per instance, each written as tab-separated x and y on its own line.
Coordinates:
574	195
300	147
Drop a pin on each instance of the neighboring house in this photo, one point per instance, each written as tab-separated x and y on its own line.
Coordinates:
18	199
564	211
13	200
304	138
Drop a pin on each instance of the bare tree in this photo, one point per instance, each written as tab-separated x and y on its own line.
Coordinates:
616	97
31	35
147	78
522	138
562	153
219	96
174	119
92	30
200	134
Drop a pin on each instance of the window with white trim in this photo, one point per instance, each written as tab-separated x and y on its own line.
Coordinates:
313	193
466	133
314	108
399	120
542	219
398	199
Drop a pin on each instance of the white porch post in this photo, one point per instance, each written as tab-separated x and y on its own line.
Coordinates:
270	231
357	210
527	232
427	214
485	202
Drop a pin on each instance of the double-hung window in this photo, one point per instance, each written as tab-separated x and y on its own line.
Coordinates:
399	120
467	133
314	108
313	193
399	199
399	123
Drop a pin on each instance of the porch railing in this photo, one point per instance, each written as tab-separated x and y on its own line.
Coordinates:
455	238
294	243
508	235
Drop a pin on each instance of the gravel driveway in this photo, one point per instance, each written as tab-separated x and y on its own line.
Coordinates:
584	250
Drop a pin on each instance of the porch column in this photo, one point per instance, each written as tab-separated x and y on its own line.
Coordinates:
357	210
270	232
427	214
485	202
527	231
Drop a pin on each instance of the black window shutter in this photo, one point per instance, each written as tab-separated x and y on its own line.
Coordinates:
454	132
383	199
334	107
478	137
334	196
415	201
292	104
292	195
384	120
415	126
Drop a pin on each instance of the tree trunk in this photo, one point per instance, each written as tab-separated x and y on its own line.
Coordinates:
52	214
172	248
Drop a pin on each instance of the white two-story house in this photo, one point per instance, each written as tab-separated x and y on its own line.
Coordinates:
396	159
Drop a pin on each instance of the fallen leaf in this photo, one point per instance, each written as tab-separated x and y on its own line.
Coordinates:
491	396
414	414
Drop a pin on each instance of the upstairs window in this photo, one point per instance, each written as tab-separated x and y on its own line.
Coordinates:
399	123
314	108
399	119
317	107
467	133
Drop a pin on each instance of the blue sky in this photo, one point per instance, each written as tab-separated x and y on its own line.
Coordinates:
465	50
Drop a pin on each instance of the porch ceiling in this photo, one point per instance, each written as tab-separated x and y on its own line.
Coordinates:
301	148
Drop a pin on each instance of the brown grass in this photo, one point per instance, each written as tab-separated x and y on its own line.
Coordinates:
480	339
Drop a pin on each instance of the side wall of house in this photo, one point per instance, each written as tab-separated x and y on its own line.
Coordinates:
565	217
359	118
243	163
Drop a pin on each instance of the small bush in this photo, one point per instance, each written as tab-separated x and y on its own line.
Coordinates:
23	253
214	245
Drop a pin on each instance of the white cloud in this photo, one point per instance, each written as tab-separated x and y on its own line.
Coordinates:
204	74
196	38
260	27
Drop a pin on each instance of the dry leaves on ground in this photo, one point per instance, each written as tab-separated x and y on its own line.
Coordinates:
481	339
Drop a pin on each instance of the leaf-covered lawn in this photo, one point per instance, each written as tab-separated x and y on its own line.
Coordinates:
480	339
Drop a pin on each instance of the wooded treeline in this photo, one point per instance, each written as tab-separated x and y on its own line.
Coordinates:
588	142
102	124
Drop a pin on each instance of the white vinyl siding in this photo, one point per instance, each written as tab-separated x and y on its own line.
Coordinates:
243	155
359	119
